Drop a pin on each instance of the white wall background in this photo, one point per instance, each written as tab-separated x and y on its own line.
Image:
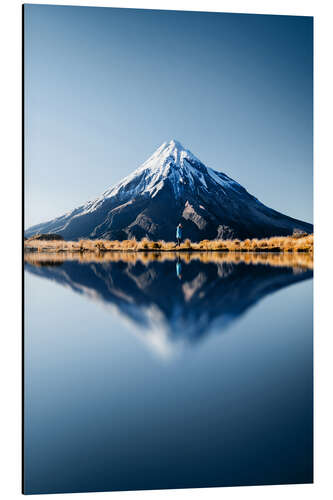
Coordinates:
10	277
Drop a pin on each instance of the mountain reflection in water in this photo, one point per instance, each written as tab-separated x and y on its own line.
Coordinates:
173	301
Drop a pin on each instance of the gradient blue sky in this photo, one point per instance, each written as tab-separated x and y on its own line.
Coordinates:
105	87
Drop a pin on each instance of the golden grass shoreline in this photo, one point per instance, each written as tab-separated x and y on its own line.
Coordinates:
298	262
300	257
277	244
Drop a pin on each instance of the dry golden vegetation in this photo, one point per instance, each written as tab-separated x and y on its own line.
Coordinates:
299	261
275	244
292	252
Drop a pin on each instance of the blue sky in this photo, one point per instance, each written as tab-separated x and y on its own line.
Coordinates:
105	87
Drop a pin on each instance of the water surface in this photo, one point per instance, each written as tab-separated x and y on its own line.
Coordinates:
166	373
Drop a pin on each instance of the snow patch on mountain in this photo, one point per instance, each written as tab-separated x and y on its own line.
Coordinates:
171	161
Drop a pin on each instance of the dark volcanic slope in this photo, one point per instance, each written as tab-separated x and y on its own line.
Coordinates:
173	186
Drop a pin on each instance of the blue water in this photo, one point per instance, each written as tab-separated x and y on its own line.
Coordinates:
116	400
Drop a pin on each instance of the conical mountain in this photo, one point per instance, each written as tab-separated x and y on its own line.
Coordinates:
173	186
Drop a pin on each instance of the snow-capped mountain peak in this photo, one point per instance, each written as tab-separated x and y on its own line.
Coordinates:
170	150
172	162
173	153
172	185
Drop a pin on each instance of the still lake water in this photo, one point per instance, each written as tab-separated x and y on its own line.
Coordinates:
166	375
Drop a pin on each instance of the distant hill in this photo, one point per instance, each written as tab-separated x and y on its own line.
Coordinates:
173	186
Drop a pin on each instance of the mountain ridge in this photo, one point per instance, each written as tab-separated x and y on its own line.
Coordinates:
172	186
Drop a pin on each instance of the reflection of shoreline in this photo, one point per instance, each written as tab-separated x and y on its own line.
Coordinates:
298	260
174	302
